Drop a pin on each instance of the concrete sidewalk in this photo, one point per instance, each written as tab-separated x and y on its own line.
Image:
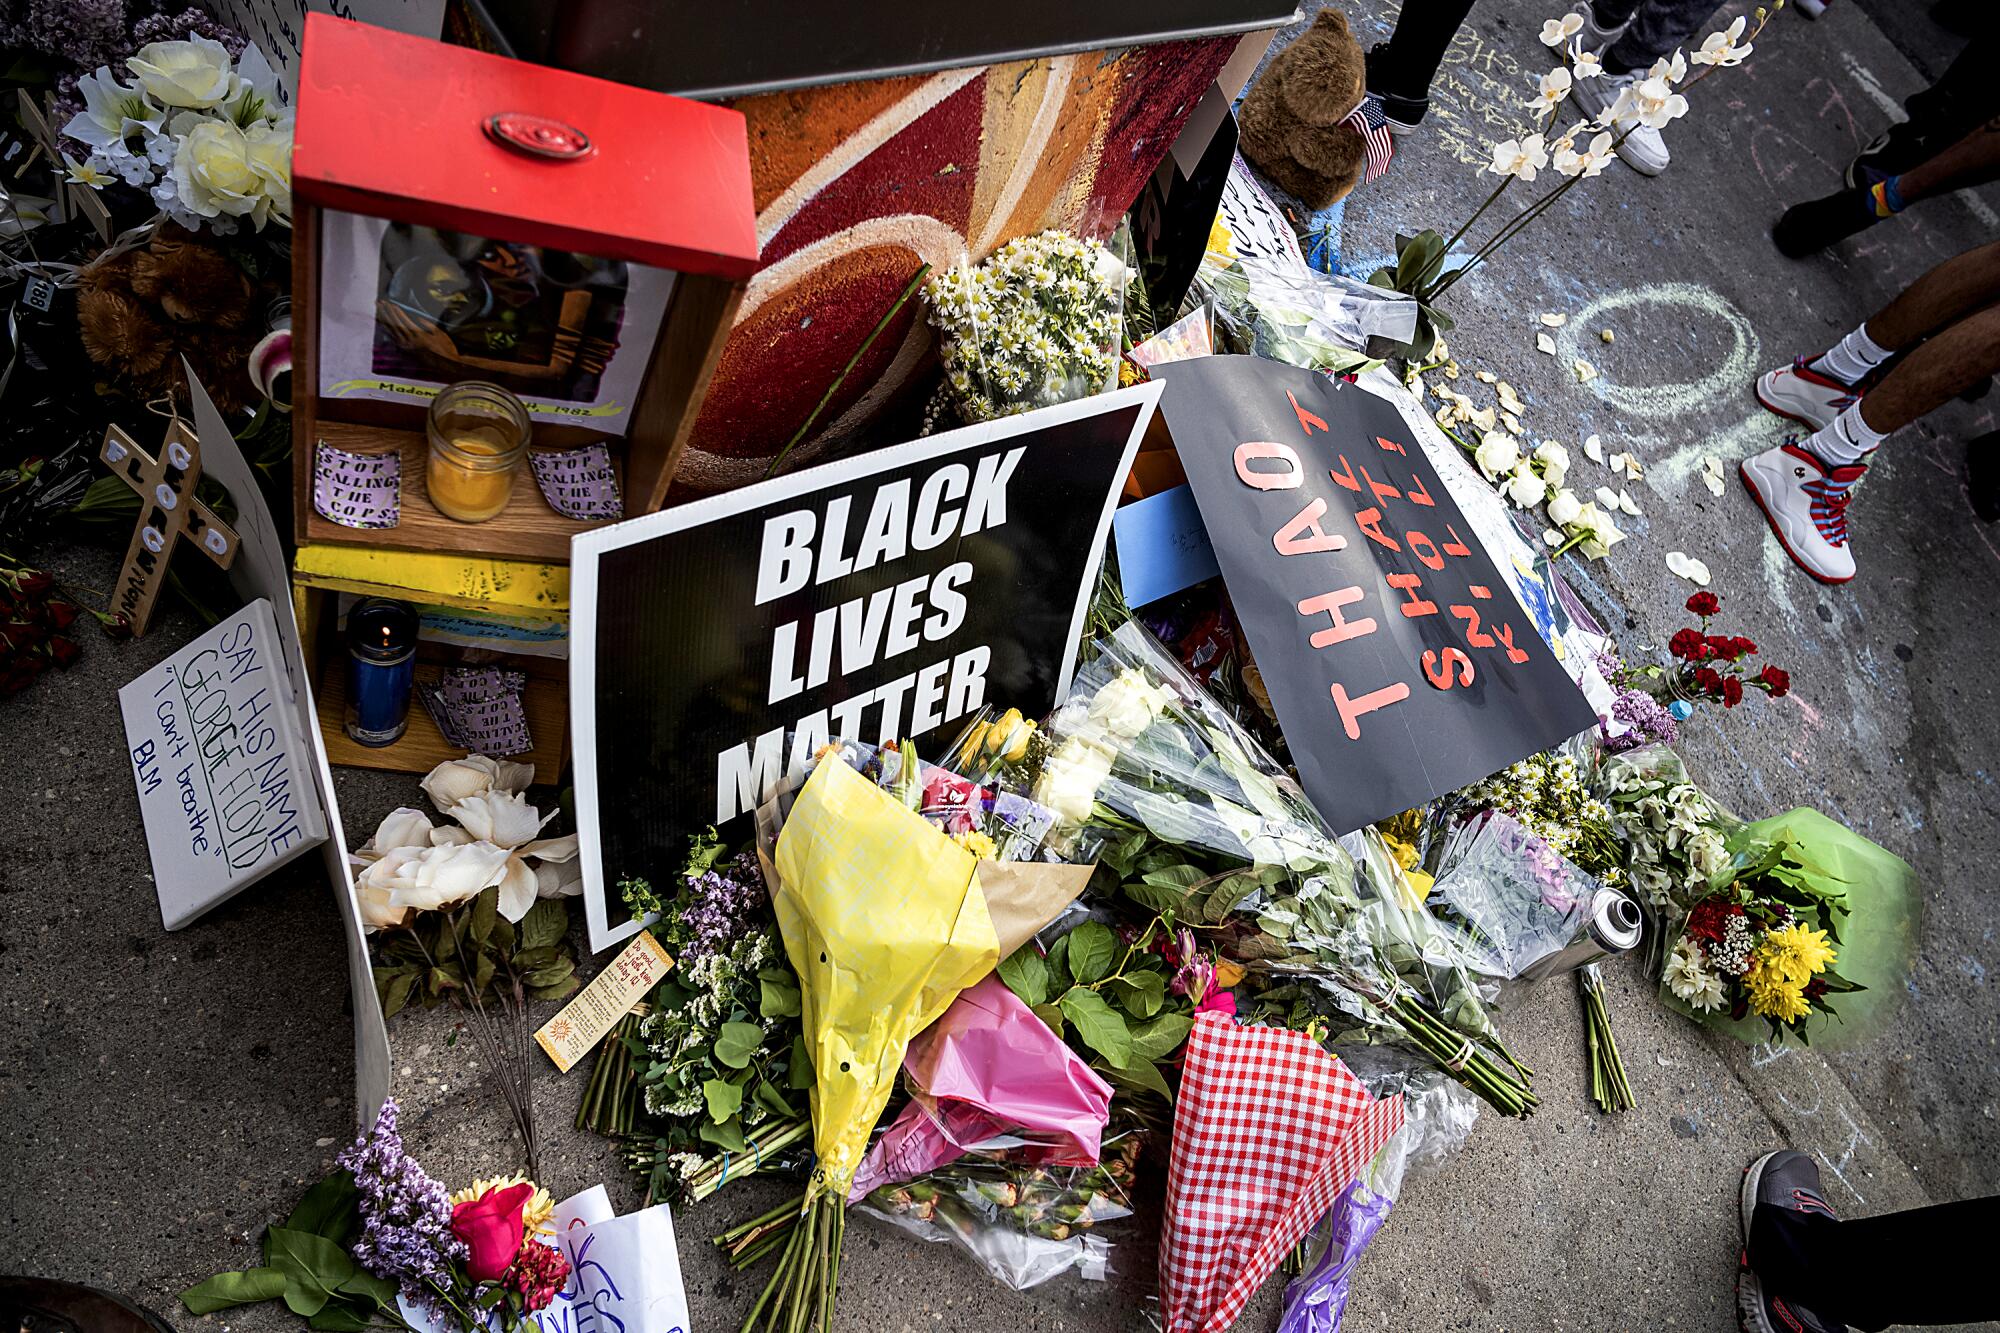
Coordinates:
165	1096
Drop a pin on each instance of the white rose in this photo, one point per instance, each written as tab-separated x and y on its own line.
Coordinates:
1564	508
1526	489
1552	455
270	157
1127	704
194	73
500	817
456	779
212	174
399	828
440	877
1497	453
1555	474
372	888
1069	781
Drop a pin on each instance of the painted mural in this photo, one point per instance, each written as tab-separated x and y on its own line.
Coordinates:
857	184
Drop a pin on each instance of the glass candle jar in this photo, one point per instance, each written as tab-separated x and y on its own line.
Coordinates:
478	433
381	669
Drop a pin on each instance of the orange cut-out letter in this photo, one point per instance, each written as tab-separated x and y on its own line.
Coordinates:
1506	633
1306	419
1304	536
1252	450
1346	478
1392	446
1419	494
1351	710
1475	636
1382	492
1329	604
1413	605
1370	521
1431	561
1438	671
1456	546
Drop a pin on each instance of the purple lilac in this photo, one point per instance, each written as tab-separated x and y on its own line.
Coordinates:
1648	720
721	903
86	33
406	1215
178	27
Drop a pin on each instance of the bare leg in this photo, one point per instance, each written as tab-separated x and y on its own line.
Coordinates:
1949	363
1940	298
1973	160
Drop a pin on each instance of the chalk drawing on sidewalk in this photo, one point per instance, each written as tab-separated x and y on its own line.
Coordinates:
1666	305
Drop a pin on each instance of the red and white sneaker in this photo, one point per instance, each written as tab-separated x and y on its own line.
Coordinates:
1806	504
1803	394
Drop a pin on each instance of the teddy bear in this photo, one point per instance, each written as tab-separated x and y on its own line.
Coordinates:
1293	125
180	294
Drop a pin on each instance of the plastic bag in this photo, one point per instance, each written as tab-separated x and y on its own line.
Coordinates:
1525	910
1038	322
1023	1224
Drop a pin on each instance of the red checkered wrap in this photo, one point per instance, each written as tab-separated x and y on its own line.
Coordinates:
1268	1129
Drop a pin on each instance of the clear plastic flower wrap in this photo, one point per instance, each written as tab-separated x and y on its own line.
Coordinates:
1154	780
1023	1224
1303	318
1038	322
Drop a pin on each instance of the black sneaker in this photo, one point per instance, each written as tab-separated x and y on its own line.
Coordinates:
1783	1179
1806	229
1402	114
1982	476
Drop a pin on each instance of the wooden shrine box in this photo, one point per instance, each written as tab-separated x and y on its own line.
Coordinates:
460	216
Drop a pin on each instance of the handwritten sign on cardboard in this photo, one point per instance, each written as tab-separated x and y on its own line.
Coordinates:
224	774
1399	662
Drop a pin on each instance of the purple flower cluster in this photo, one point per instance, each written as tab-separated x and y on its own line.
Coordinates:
718	905
405	1215
178	28
1648	720
85	33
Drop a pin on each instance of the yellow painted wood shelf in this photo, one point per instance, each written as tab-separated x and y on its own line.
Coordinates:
526	528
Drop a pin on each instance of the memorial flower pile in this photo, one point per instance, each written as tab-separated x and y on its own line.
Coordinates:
380	1240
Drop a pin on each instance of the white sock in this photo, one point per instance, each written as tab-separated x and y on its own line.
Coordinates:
1850	359
1846	440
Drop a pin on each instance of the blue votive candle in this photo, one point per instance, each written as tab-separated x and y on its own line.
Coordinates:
381	669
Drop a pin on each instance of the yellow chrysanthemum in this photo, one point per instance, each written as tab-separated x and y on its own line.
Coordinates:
1801	952
1774	995
535	1216
978	844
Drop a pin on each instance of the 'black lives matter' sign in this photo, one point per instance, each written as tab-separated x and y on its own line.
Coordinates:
717	645
1398	661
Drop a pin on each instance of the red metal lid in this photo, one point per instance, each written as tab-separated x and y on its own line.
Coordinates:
399	126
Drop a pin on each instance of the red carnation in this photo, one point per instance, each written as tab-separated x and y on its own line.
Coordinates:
1709	679
1704	603
1684	643
1722	646
1732	692
1777	680
1815	988
1742	645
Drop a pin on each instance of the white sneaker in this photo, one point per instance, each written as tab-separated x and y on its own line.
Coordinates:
1644	150
1803	394
1595	38
1805	502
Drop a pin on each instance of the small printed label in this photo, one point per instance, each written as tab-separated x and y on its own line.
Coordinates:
625	981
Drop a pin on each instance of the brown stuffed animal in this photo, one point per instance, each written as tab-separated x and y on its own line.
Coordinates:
179	295
1290	125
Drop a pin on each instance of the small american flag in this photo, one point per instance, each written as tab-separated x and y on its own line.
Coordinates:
1373	127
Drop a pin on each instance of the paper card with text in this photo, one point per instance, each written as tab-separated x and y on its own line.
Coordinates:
224	773
571	1034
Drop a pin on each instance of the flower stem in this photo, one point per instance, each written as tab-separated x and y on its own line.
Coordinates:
909	289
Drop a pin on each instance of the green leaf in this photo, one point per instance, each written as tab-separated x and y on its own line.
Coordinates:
552	975
1057	960
1051	1015
1223	896
1024	973
1142	993
381	1289
1092	947
547	923
485	911
1160	1037
562	990
736	1043
328	1209
1141	1074
441	980
724	1099
539	956
799	1069
1098	1024
396	996
240	1288
777	997
727	1136
314	1267
768	1097
342	1316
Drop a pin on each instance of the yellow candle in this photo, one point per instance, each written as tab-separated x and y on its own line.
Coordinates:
478	433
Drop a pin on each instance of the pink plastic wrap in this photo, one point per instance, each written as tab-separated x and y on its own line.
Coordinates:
990	1074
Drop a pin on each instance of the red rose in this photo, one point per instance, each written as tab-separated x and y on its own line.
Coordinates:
491	1228
1704	604
64	651
1777	680
61	615
1732	692
1684	643
36	582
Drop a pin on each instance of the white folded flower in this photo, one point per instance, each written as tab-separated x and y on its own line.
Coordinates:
1552	89
1557	31
455	779
1526	489
194	73
400	828
1564	508
112	112
1720	48
439	877
1522	157
499	817
1070	779
1128	703
1498	452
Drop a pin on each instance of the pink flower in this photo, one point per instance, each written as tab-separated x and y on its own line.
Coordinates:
491	1228
1219	1002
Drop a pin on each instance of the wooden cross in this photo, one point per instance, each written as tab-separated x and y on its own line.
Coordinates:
168	511
72	199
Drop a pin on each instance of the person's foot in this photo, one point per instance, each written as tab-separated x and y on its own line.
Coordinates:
1890	153
1982	476
1644	149
1402	114
1803	394
1788	1180
1805	501
1806	229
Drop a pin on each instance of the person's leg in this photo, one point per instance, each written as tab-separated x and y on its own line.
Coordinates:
1900	1268
1400	70
1935	117
1815	225
1657	28
1944	366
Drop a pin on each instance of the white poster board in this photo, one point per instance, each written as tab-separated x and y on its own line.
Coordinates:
277	26
225	772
